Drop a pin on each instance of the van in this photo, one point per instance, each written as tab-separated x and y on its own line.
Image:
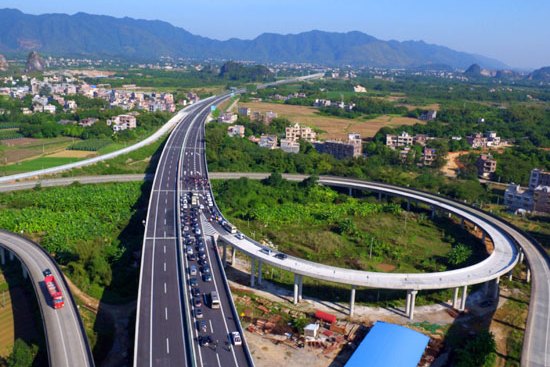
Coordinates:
266	250
214	300
193	270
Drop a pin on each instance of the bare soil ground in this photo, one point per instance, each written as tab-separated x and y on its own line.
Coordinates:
450	169
73	154
22	149
334	127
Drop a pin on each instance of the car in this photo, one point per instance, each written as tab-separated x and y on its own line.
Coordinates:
198	231
197	302
193	270
236	338
205	341
266	250
192	257
240	236
189	250
198	313
202	326
281	256
47	272
202	255
196	292
207	277
205	270
193	282
185	229
203	262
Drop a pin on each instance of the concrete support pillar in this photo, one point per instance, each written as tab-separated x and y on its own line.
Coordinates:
528	274
300	287
25	271
455	297
350	191
433	212
483	236
521	256
408	205
510	274
11	255
296	280
496	288
3	255
379	196
475	228
450	215
463	299
252	270
259	272
462	222
352	301
412	303
485	288
224	256
233	252
408	303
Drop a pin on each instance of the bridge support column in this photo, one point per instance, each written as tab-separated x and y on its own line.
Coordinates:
296	280
3	255
483	236
528	274
455	297
463	299
411	297
25	271
462	222
510	275
433	212
11	255
521	256
496	288
450	215
379	196
352	301
475	228
350	191
300	287
408	205
408	303
233	251
259	272
224	256
252	270
485	287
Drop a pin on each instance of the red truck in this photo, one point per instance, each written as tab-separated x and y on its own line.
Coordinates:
54	291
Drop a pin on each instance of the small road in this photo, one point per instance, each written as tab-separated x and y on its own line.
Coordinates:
66	339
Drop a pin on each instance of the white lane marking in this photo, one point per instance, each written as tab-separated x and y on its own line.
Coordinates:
164	221
218	358
62	339
164	287
211	327
165	266
166	313
164	248
167	346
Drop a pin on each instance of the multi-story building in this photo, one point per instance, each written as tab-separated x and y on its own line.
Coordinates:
429	155
487	140
122	122
297	132
268	141
244	111
401	140
227	118
536	197
290	146
341	149
428	115
235	130
486	165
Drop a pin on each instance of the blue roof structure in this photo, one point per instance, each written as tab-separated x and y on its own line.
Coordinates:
389	345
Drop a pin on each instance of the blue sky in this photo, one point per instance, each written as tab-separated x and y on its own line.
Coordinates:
516	32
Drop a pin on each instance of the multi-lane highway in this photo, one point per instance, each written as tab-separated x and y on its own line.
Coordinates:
168	331
66	339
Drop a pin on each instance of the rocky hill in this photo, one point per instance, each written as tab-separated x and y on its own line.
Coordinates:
542	74
35	62
3	63
102	36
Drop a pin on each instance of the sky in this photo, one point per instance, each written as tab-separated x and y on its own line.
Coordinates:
516	32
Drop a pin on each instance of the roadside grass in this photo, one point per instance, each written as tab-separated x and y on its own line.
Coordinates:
36	164
18	150
99	329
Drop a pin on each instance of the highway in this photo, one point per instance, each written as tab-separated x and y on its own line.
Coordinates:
166	324
66	340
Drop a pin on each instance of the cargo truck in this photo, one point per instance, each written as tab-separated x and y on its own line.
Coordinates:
54	291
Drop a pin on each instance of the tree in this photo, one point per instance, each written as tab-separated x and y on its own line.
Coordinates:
477	351
459	255
22	355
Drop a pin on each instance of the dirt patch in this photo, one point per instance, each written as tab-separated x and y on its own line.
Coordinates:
333	127
72	154
19	142
450	169
385	267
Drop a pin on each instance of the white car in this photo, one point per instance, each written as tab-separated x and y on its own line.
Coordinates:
236	338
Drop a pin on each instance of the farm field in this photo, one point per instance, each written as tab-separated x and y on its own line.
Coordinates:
17	150
333	127
36	164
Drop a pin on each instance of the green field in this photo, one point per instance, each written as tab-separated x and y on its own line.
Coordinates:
35	164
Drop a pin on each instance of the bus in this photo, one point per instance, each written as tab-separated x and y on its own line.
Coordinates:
229	227
214	300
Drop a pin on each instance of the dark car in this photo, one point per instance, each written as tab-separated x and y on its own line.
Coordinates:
195	292
47	272
193	282
198	313
281	256
203	262
205	269
207	277
205	341
197	302
201	326
191	257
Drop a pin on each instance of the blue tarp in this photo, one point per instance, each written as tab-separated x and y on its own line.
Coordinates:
389	345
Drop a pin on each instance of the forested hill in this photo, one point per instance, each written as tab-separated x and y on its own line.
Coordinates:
103	36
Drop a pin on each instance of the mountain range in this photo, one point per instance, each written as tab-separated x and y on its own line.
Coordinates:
89	35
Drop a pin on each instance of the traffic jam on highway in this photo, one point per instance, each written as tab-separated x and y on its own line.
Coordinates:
198	266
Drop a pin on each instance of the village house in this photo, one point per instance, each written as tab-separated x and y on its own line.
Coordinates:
122	122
